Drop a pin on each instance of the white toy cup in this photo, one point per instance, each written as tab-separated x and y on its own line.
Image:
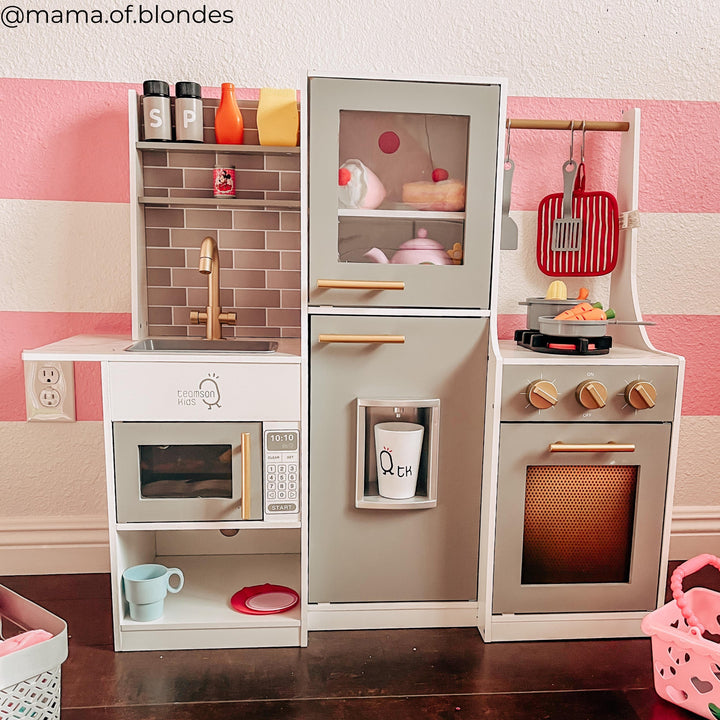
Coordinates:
398	446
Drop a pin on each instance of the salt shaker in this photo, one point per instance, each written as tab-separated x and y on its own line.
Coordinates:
188	112
156	110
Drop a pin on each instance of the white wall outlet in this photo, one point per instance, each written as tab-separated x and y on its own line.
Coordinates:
50	391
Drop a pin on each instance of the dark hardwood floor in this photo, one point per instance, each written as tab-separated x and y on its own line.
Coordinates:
395	674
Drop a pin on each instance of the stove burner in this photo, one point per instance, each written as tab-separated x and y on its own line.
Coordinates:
538	342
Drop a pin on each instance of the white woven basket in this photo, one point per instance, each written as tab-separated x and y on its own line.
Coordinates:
30	678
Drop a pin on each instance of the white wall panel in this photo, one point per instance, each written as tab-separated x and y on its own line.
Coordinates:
52	469
679	248
563	48
64	256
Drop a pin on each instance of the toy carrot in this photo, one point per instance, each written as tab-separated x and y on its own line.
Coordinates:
571	313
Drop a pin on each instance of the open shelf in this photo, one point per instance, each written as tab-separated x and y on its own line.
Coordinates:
218	202
208	525
403	214
217	148
210	582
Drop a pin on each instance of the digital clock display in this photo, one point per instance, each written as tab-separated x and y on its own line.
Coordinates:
281	440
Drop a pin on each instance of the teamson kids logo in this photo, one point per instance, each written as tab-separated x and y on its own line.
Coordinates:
207	391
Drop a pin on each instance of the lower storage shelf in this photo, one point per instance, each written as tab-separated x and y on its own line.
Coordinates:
201	615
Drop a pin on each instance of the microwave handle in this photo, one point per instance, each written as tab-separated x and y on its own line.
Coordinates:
246	484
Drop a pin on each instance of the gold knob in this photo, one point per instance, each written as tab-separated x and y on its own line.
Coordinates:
641	394
542	394
197	317
591	394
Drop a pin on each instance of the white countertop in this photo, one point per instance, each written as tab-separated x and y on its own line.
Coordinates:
112	347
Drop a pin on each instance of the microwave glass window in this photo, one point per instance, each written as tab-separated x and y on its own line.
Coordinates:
401	187
578	523
186	471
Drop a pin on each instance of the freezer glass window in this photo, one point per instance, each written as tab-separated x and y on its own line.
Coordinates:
186	471
578	523
401	187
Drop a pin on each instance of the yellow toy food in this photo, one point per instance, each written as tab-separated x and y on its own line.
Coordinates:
557	291
277	117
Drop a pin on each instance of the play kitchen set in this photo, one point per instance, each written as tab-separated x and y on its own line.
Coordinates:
395	465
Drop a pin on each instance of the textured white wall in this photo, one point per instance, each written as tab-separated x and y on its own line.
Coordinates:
661	49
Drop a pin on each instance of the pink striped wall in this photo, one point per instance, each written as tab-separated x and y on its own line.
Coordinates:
49	125
678	146
696	337
24	330
66	140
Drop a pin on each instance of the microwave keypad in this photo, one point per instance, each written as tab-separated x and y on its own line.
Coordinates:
282	473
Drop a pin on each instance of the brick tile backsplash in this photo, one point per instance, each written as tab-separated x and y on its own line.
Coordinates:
259	247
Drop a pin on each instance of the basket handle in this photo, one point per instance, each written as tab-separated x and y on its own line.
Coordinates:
681	572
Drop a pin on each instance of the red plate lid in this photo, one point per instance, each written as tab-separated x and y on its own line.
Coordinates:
265	599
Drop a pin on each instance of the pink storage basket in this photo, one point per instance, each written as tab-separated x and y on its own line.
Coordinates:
686	665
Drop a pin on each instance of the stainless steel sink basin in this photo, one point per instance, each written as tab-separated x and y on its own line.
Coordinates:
191	345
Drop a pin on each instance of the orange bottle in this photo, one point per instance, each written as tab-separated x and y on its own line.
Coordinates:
229	127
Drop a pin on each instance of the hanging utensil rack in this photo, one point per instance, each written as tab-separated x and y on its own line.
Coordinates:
601	125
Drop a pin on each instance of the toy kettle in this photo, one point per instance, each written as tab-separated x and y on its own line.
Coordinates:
418	251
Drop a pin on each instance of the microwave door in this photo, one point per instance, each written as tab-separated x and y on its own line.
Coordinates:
167	472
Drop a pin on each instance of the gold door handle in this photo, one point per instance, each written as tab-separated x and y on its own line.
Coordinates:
362	284
391	339
246	484
591	447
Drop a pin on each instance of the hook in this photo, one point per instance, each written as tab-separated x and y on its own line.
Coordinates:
572	138
507	142
582	147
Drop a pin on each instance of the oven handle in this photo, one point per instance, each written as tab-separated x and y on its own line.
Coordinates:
245	500
591	447
324	338
362	284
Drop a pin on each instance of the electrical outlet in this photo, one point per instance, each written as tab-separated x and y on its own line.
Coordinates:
50	391
49	397
49	375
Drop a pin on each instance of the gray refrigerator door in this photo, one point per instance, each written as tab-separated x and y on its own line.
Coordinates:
368	555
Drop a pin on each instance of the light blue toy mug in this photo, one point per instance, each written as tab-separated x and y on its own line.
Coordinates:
146	587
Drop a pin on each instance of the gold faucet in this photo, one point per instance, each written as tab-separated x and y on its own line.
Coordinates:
213	316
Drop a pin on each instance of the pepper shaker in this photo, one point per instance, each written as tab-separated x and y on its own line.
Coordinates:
188	112
156	110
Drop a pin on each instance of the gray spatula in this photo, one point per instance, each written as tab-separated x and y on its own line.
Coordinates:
567	230
508	227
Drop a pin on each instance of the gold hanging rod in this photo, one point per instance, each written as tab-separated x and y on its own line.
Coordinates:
602	125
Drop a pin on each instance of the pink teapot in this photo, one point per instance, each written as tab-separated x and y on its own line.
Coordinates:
418	251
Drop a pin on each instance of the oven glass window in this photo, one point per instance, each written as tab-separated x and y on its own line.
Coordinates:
186	471
578	525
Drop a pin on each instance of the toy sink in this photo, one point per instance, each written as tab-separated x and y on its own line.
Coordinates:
191	345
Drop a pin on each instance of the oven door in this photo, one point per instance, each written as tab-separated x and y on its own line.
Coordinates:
579	517
186	472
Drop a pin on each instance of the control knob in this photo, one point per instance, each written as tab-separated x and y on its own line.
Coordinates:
591	394
542	394
641	394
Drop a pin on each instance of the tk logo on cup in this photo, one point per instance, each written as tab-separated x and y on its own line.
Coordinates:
388	467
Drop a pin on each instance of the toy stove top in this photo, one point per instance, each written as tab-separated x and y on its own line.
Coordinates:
560	345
